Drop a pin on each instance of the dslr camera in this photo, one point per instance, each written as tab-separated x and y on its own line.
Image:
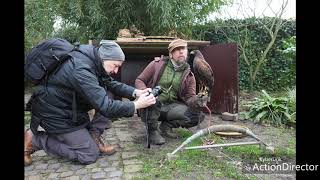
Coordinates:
156	91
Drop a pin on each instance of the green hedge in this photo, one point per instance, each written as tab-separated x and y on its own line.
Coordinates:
279	71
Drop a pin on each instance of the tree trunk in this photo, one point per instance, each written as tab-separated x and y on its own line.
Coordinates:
251	78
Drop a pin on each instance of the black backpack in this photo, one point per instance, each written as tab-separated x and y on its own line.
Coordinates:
44	58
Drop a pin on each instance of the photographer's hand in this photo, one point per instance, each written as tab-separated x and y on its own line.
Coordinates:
139	92
144	101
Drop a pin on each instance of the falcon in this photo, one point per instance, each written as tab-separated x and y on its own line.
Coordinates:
203	73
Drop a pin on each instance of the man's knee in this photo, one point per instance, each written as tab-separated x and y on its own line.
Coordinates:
89	156
176	112
193	118
88	153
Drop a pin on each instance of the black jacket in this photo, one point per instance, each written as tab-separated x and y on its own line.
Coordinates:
77	86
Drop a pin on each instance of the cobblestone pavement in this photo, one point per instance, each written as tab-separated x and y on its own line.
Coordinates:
121	165
127	134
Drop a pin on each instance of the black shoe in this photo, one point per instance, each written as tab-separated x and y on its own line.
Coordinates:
167	131
156	138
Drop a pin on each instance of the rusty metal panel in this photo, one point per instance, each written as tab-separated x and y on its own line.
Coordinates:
134	65
223	58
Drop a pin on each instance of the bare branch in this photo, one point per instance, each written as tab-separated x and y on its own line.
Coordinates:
264	10
254	11
262	58
283	7
271	25
269	2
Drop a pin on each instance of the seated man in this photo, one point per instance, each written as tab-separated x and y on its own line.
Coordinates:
177	105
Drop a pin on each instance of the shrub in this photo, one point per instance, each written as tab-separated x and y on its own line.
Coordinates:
273	110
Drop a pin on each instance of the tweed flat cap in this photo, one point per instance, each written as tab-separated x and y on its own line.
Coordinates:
177	43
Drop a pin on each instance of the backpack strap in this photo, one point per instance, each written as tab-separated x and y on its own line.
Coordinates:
74	107
45	81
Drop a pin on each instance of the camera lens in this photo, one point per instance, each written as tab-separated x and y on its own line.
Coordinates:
156	91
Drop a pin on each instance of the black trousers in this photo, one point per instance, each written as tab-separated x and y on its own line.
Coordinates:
174	115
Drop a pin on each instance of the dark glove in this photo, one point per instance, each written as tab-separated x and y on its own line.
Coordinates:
202	100
198	101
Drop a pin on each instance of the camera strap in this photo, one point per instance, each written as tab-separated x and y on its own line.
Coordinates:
147	127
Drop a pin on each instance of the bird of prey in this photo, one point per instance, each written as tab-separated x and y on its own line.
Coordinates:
203	73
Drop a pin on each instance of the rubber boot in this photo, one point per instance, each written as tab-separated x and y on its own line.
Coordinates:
167	131
155	137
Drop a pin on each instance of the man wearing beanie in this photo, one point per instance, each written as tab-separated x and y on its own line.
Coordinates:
175	106
80	84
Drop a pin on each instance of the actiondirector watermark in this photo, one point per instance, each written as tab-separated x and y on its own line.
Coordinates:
283	167
276	165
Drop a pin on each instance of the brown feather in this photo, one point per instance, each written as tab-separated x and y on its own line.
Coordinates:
203	71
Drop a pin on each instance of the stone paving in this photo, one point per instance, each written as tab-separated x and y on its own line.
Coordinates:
127	134
122	165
